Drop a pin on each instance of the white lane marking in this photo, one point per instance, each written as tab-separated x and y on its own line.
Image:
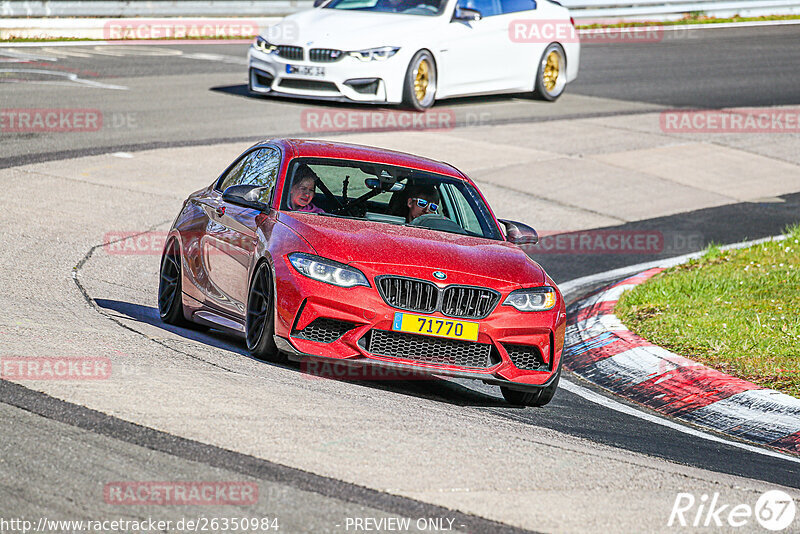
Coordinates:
236	60
591	396
27	56
124	155
134	51
66	53
71	79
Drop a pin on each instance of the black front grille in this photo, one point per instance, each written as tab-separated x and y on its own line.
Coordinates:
311	85
422	296
474	302
291	52
324	330
325	55
429	349
409	294
526	357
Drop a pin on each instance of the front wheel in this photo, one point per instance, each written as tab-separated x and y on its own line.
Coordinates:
260	323
551	73
170	300
419	88
539	397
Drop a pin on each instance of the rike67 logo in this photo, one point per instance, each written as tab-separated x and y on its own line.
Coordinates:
774	510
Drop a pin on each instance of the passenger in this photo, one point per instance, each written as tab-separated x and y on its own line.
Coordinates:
302	192
422	200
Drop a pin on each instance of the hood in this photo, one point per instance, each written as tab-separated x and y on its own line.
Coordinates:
348	30
377	247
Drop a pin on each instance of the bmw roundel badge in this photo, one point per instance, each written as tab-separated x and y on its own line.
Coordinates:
439	275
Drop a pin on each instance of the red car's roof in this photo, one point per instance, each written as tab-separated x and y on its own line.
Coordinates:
328	149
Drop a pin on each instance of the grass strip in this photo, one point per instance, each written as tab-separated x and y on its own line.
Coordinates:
692	18
736	310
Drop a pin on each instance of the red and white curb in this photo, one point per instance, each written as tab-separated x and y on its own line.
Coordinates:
599	348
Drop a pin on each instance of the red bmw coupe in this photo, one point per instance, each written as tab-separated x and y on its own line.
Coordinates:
368	257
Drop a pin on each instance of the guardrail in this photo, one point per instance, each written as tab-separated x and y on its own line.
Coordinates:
150	8
674	9
582	9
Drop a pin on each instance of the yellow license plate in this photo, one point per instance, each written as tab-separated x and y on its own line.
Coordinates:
435	326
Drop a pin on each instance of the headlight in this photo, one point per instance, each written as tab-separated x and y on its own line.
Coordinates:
264	46
328	271
375	54
533	299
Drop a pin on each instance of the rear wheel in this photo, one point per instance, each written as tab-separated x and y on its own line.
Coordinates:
170	302
419	89
260	323
539	397
551	73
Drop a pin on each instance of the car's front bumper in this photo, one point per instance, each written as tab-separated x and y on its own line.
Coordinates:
523	349
347	79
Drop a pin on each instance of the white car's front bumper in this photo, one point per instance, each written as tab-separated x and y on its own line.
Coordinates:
346	79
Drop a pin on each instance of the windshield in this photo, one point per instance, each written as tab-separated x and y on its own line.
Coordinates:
406	7
386	194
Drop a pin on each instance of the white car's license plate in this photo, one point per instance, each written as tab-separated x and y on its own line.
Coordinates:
303	70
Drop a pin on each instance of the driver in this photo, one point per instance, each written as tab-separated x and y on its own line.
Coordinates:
302	192
422	200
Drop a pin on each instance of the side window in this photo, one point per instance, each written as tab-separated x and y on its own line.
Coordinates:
232	177
259	167
487	8
513	6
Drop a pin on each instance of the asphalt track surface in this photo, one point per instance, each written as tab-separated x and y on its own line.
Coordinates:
194	98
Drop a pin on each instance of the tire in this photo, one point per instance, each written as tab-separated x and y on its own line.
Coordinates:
419	87
551	73
170	300
537	398
260	320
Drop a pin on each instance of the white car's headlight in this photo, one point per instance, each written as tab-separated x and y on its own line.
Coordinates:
328	271
533	299
262	45
375	54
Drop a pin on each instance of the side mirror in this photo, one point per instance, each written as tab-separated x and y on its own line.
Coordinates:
520	234
466	14
246	195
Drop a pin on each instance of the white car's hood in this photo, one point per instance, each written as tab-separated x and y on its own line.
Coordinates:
349	30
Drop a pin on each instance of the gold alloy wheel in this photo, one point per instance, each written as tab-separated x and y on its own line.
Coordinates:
421	80
551	70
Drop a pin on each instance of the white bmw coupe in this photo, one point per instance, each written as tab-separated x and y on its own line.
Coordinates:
413	52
